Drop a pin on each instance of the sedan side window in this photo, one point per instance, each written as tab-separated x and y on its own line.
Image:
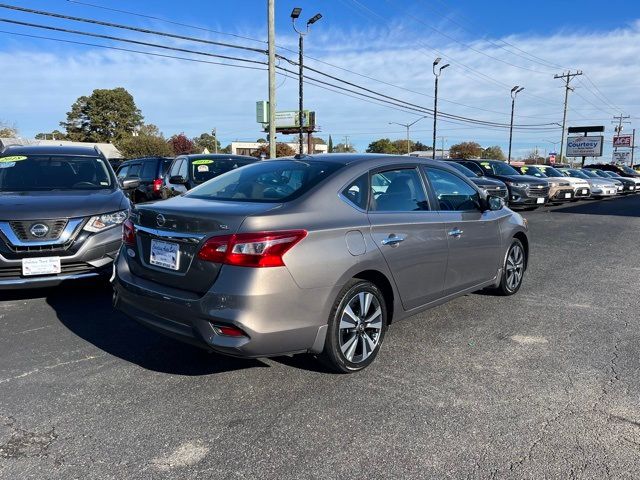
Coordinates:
122	173
184	169
357	192
175	167
398	190
473	167
134	170
453	193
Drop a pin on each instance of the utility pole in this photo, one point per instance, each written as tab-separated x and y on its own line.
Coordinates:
567	78
408	126
295	13
346	143
215	139
514	93
272	76
442	140
435	101
633	145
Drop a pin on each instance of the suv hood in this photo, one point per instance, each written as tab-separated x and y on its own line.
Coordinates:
531	180
574	182
487	182
37	205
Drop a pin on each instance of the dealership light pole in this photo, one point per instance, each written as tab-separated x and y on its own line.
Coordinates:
567	78
295	13
407	126
271	40
435	100
514	93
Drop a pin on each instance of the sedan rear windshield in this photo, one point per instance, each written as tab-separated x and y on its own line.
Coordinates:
270	181
21	173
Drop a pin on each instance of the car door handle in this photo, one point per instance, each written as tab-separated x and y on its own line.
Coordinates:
393	240
456	232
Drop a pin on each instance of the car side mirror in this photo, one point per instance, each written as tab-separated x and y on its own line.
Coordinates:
177	179
130	183
495	203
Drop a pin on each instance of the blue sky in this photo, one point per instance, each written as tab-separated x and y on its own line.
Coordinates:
387	45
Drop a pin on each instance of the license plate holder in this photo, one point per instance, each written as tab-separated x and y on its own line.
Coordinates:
584	191
165	254
567	195
41	266
540	200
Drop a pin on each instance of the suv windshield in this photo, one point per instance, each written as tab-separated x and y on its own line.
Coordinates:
463	170
551	172
266	181
628	170
21	173
203	169
590	173
613	174
534	171
576	173
499	168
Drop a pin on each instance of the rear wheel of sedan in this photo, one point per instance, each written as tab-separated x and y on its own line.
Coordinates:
357	325
513	269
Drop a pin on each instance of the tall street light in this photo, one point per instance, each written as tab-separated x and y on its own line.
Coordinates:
407	126
435	100
295	13
514	93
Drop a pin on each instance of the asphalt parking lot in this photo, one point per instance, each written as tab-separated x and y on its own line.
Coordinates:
540	385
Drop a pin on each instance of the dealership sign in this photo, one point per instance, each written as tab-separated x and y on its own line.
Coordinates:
622	157
622	141
584	146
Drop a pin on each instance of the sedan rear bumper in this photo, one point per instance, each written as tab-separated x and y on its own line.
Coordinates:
276	315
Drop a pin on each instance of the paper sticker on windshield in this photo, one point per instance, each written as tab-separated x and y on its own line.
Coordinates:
202	162
203	168
486	165
15	158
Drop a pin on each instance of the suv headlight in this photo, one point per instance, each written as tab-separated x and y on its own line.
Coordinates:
106	220
517	185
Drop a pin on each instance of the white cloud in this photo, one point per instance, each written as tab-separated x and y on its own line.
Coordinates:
39	87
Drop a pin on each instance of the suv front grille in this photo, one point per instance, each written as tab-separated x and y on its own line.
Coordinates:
535	191
67	269
498	192
22	229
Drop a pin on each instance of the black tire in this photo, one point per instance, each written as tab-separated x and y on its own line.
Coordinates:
506	286
338	338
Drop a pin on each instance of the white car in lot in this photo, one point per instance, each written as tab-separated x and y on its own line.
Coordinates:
600	187
581	188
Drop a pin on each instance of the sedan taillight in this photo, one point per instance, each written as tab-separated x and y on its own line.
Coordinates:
157	185
263	249
128	233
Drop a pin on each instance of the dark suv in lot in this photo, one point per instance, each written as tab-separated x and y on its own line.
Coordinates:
622	170
490	186
189	171
143	177
60	215
524	190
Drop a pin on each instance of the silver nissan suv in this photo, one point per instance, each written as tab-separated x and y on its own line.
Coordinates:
60	215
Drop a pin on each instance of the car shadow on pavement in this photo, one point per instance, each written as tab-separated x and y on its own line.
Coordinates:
85	309
628	206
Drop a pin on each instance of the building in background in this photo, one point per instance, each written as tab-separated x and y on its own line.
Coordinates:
429	153
248	148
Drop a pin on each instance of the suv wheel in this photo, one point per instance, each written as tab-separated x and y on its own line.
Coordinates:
357	325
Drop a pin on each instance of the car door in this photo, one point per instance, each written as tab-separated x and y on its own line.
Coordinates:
473	235
410	235
177	170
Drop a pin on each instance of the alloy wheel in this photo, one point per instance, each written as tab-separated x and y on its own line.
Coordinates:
360	328
515	267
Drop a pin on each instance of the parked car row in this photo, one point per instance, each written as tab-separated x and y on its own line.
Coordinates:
253	258
532	186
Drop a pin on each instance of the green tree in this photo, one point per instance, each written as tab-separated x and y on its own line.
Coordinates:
421	147
144	146
330	147
493	153
208	141
342	148
104	116
401	146
150	130
383	145
465	150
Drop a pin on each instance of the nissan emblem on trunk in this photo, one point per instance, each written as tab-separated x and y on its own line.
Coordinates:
39	230
160	220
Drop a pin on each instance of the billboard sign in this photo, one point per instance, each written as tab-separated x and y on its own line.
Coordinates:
262	111
552	158
290	119
581	146
622	141
622	157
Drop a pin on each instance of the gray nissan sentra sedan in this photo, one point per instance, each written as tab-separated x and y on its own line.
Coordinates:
315	254
61	212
